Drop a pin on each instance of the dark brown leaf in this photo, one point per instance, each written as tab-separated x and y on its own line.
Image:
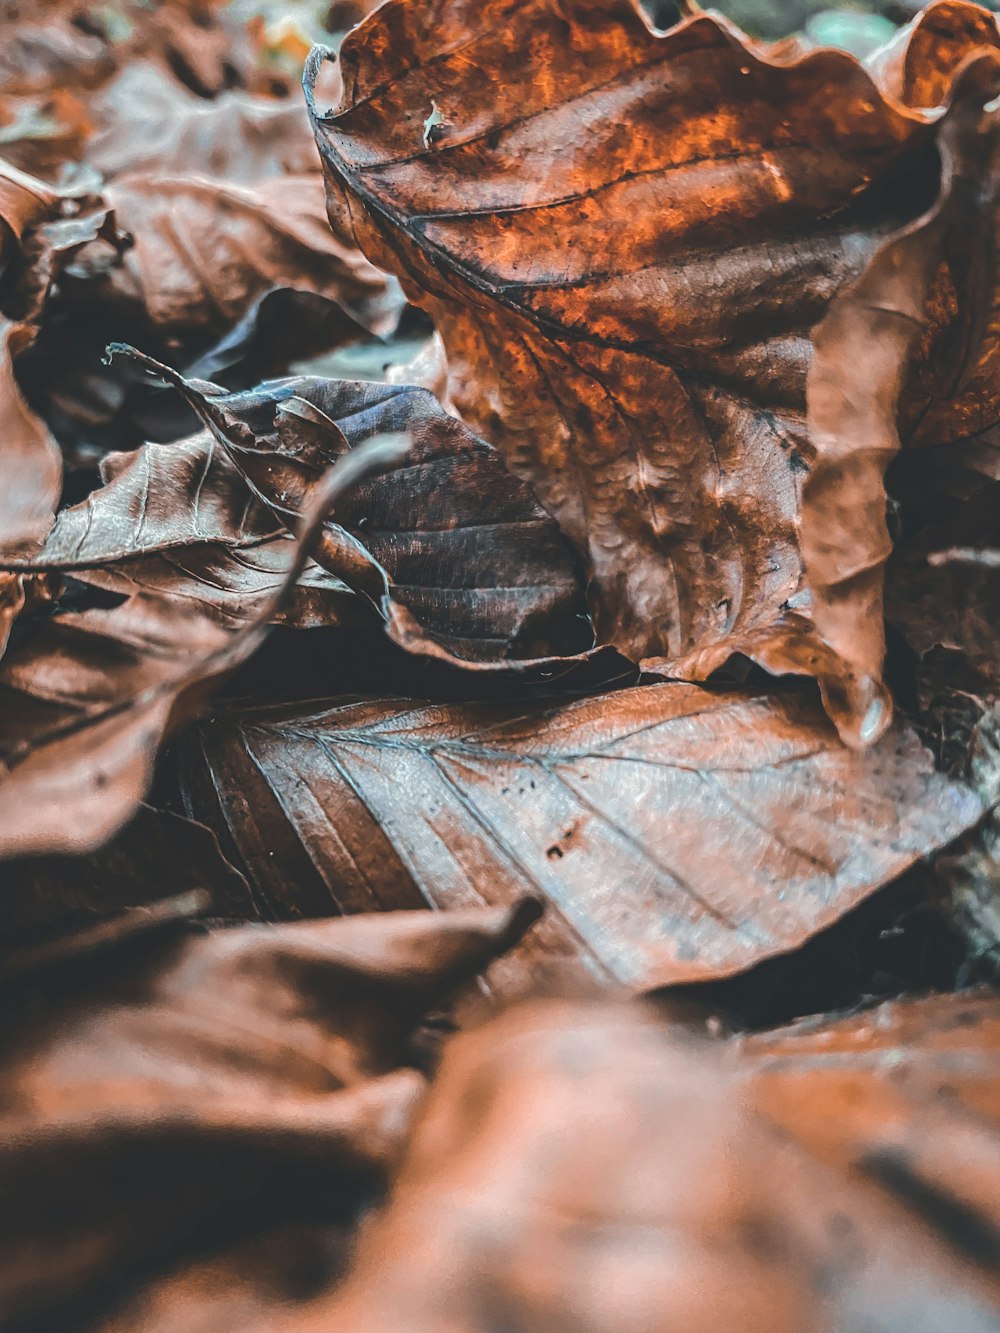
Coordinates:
168	1090
157	854
178	520
452	549
677	834
86	700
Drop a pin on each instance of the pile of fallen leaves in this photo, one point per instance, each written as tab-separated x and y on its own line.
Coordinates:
568	500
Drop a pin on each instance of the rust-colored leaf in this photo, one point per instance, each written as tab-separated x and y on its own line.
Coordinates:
627	240
577	1166
853	404
677	834
919	65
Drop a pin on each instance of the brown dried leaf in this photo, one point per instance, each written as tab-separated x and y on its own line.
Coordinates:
155	499
627	240
87	699
579	1167
201	250
218	206
178	520
156	855
146	122
918	67
234	1079
29	456
453	550
853	402
678	835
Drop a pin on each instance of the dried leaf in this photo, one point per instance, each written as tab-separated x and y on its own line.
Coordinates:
203	250
155	499
157	854
218	206
853	404
146	122
678	835
85	702
32	464
918	67
236	1079
177	520
627	239
580	1167
454	551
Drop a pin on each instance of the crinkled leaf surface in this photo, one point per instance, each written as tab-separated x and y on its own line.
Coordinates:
201	249
86	699
146	121
452	548
918	67
627	239
677	834
169	1089
854	402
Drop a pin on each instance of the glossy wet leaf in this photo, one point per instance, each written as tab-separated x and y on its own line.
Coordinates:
677	834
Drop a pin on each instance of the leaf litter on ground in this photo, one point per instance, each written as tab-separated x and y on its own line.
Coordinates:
707	392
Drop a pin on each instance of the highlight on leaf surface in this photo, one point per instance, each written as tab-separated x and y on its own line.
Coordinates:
589	1164
628	241
86	701
676	834
452	550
